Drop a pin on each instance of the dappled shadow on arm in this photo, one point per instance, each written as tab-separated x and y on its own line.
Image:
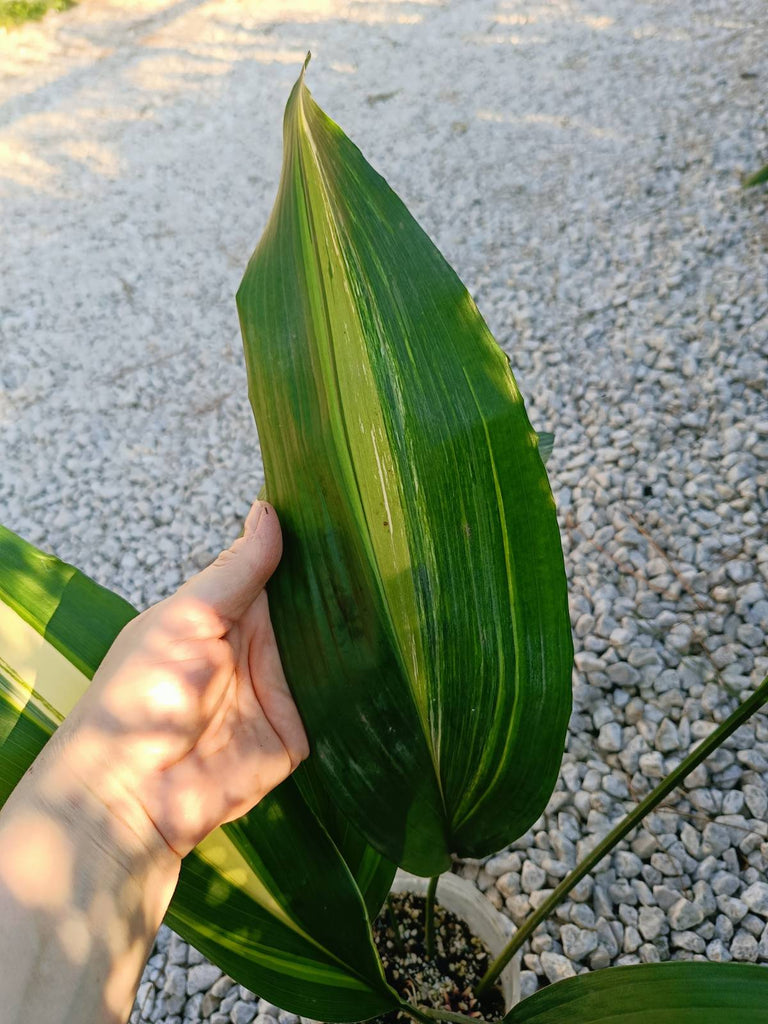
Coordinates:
80	903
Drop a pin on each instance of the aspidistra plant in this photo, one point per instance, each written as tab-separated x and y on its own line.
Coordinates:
420	609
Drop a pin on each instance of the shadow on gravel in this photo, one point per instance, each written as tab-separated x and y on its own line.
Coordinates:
76	80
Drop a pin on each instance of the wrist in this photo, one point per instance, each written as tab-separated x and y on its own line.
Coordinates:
99	801
85	886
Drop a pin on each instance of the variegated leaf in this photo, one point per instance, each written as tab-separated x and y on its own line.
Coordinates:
420	607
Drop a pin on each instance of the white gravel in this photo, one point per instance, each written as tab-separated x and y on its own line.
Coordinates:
580	166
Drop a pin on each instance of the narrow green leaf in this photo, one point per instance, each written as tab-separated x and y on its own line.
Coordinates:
678	992
758	178
269	898
420	607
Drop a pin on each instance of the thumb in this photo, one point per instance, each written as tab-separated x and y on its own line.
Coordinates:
231	584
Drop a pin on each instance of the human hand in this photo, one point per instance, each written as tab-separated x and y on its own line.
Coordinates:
187	724
189	721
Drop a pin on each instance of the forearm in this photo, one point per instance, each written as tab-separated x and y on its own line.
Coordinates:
82	894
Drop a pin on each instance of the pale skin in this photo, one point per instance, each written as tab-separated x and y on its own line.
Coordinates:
188	723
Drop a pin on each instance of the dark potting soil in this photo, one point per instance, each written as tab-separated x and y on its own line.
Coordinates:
446	980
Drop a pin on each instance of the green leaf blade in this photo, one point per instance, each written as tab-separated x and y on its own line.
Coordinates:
55	599
372	872
420	607
678	992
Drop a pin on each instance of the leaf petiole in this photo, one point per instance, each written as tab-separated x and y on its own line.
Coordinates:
429	917
425	1014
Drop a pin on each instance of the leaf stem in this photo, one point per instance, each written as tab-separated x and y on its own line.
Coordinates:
426	1014
429	917
395	926
654	798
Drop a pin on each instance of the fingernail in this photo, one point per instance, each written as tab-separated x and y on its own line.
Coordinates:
253	519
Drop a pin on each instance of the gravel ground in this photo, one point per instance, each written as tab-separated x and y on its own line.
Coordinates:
582	172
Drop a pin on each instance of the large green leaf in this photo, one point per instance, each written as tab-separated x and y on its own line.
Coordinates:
420	607
679	992
269	898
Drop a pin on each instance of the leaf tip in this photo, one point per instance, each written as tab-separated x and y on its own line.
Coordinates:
297	92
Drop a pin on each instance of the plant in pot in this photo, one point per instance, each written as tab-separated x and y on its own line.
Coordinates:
420	609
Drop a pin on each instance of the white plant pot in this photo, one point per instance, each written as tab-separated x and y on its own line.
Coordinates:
465	900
